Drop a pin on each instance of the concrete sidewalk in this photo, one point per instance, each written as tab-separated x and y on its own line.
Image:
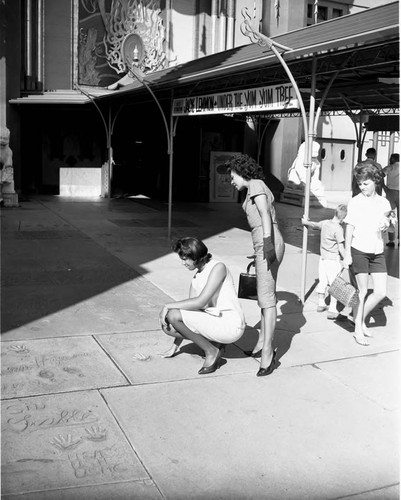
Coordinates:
90	410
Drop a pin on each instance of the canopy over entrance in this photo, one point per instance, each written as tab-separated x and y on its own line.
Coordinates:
362	48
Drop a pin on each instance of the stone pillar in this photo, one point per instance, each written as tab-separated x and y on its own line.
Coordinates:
8	196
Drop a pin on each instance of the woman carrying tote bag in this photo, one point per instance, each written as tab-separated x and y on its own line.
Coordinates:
366	220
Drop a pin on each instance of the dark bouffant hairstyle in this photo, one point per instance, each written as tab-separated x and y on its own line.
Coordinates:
245	166
394	158
364	171
192	248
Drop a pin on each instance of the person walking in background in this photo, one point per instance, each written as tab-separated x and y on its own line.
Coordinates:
331	251
268	246
366	220
212	314
371	155
392	190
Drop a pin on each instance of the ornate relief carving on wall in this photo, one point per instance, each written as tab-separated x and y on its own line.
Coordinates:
8	196
93	68
135	35
114	34
87	54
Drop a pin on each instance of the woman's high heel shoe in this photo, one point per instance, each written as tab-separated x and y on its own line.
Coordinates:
213	367
252	354
267	371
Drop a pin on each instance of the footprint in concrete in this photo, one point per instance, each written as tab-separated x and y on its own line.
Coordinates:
47	374
73	371
141	357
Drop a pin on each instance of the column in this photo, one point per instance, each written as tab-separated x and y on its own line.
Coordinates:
230	24
39	44
28	41
222	25
214	26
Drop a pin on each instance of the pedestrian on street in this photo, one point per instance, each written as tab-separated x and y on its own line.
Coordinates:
212	314
366	220
268	246
392	190
331	252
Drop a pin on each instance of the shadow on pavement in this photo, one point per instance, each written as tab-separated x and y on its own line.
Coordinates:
288	307
59	253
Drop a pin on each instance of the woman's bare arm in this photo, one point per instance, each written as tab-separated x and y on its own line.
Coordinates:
196	303
349	231
264	212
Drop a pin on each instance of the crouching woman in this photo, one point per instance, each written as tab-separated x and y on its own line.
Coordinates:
212	314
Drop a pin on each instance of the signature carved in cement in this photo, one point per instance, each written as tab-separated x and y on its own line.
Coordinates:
23	418
96	463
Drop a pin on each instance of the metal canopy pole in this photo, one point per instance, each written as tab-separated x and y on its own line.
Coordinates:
308	164
109	157
170	129
173	125
265	41
109	127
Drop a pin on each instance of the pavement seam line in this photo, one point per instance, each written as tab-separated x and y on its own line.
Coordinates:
68	488
131	445
111	359
350	388
367	491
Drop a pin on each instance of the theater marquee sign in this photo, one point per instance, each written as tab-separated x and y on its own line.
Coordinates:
273	98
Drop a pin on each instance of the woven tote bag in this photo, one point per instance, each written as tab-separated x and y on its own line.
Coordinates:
343	291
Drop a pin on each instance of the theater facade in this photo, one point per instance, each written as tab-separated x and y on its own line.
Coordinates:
144	97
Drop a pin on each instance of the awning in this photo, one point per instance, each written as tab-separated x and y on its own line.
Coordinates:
62	96
363	48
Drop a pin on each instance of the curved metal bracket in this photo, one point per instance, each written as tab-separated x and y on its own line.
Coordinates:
256	37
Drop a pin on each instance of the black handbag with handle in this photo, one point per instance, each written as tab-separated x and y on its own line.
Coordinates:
247	284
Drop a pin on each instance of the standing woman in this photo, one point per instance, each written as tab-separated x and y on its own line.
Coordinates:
268	245
366	220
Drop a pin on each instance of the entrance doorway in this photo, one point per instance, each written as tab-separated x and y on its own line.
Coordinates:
337	162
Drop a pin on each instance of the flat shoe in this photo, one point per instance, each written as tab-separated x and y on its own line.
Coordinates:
361	341
331	315
267	371
252	354
212	368
321	309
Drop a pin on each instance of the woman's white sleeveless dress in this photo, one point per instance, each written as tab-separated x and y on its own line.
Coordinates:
223	319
